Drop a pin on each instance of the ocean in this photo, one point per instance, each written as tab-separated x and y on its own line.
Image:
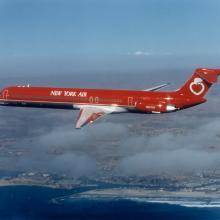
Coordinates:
30	202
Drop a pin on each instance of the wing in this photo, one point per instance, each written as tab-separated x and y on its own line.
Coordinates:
157	87
89	114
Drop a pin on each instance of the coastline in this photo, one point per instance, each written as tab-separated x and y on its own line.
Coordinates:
28	182
143	193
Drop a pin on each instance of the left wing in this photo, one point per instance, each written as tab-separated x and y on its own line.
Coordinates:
89	114
157	87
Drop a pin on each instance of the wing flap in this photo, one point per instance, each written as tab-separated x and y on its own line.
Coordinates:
88	115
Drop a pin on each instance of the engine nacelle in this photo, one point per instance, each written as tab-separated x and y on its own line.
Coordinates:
153	107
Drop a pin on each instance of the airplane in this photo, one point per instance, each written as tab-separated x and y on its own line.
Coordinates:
96	103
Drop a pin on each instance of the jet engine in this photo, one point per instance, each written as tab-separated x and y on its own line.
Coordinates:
155	107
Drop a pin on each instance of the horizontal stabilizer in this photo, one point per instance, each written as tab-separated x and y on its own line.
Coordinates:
210	75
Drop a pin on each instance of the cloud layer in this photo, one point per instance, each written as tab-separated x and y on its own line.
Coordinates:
196	151
42	140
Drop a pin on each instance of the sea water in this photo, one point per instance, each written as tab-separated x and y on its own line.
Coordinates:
28	202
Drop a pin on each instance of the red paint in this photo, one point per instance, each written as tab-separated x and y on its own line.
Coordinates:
190	94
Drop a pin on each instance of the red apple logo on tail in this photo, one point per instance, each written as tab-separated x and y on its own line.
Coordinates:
197	87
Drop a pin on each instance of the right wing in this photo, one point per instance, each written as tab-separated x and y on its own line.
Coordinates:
90	113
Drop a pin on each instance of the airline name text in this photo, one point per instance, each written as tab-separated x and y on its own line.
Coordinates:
68	93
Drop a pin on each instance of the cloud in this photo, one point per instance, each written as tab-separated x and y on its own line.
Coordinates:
146	53
54	146
125	144
58	151
141	53
180	161
198	150
128	144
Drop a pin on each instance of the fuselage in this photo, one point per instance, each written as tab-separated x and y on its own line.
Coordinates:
96	103
74	98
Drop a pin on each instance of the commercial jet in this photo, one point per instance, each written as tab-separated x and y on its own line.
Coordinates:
96	103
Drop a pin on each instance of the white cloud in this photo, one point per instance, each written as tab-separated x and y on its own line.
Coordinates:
146	53
141	53
194	151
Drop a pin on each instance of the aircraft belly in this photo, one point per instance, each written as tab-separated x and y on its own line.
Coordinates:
37	104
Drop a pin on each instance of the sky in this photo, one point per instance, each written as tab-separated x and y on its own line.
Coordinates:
108	35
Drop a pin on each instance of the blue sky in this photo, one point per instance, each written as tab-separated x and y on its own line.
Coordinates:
114	32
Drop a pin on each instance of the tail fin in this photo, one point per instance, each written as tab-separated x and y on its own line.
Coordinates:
200	82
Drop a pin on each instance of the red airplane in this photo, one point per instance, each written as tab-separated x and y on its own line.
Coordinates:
95	103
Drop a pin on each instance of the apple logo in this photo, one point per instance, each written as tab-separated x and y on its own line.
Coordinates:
197	87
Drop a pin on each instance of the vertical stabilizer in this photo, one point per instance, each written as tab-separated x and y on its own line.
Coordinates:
200	82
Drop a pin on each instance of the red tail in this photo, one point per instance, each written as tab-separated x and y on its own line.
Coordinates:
200	82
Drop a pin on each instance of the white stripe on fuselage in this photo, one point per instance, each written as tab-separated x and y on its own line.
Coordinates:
118	108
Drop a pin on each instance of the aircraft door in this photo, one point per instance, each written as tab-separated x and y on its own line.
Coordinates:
130	101
5	94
